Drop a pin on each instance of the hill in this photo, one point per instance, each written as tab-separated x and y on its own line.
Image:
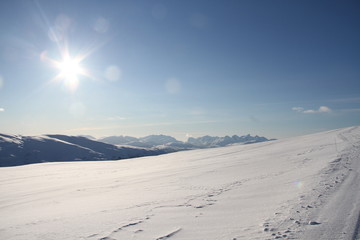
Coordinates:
19	150
298	188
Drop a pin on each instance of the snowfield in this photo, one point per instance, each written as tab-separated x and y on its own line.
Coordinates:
299	188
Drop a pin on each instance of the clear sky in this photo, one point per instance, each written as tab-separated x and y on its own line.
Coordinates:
181	68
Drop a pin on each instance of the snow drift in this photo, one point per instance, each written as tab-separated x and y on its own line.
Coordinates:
298	188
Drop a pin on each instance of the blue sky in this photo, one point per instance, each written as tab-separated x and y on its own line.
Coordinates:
181	68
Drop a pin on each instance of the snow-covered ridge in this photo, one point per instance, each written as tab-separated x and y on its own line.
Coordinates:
209	141
191	143
298	188
19	150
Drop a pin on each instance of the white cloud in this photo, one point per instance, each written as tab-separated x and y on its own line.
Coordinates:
322	109
310	111
2	110
298	109
116	118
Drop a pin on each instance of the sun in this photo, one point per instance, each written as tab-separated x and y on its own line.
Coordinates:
70	70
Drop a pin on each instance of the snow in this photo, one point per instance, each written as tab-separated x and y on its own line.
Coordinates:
298	188
10	139
20	150
163	141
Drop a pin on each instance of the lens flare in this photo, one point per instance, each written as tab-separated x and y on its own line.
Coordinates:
70	68
298	184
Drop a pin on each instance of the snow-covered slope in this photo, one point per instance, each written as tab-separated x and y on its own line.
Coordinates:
298	188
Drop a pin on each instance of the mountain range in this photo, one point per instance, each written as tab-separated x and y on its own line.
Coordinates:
163	141
19	150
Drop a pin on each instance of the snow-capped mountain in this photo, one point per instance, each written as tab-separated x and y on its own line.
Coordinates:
19	150
158	139
146	142
163	141
118	140
209	141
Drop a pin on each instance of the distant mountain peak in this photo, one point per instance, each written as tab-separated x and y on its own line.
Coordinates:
192	142
210	141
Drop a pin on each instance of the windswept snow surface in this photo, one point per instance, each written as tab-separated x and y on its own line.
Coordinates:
299	188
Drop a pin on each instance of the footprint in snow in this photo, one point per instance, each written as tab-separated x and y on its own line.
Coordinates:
169	235
314	223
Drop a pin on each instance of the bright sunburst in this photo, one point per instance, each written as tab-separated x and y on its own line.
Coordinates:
70	68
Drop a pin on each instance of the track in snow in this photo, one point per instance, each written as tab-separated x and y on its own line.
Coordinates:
286	189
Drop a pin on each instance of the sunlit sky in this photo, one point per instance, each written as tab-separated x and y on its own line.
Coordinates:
180	68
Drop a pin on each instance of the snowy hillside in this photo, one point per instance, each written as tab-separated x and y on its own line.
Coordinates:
299	188
19	150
